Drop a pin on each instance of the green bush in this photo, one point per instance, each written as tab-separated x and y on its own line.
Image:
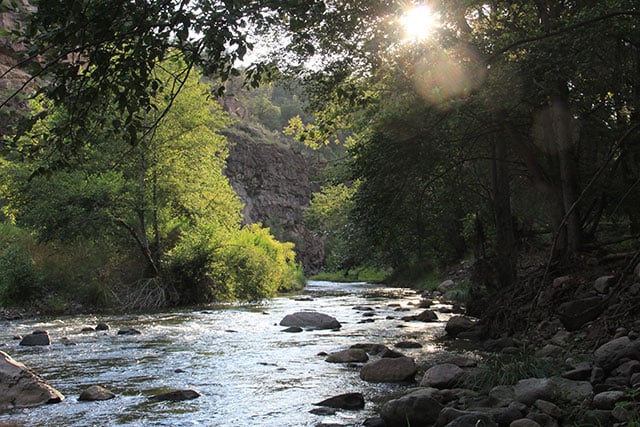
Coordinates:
19	279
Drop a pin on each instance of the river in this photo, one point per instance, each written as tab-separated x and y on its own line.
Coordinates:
248	371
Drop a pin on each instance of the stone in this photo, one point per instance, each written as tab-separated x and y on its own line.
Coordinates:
505	416
176	396
129	331
542	419
561	338
370	348
581	372
407	344
549	350
391	354
425	303
102	326
472	420
310	320
324	411
374	422
37	338
574	392
548	408
427	316
96	392
22	388
350	401
574	314
446	286
88	329
446	375
389	370
348	356
499	344
636	271
457	324
559	282
363	308
418	408
524	422
608	399
609	354
529	390
501	395
293	329
602	284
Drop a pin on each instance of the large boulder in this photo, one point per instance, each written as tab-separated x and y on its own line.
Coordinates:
310	320
389	370
446	375
458	324
414	409
574	314
22	388
176	396
36	338
609	354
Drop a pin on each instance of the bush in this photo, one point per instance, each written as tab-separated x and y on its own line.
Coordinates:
19	279
248	264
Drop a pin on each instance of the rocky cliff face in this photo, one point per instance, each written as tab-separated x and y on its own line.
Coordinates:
275	184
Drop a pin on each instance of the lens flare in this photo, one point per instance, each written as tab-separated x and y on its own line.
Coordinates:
418	22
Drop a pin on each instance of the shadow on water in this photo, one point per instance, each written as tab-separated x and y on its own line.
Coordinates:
247	370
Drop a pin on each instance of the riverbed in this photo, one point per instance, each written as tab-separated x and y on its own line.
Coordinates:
248	371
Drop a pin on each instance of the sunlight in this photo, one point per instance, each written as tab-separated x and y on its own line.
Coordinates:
418	22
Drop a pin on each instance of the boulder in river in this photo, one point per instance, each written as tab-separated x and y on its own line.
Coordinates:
22	388
36	338
310	320
458	324
351	401
102	326
176	396
348	356
129	331
94	393
416	409
389	370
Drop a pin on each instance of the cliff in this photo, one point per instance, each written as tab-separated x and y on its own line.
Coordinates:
275	183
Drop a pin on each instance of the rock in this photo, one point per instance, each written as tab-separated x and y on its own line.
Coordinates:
415	409
505	416
293	329
22	388
542	419
636	271
88	329
609	354
389	370
550	350
602	284
446	286
501	395
129	331
427	316
472	420
561	338
407	344
457	324
374	422
96	392
575	392
362	308
348	356
371	348
581	372
391	354
310	320
67	341
102	327
323	411
425	303
548	408
524	422
529	390
574	314
176	396
608	399
446	375
350	401
36	338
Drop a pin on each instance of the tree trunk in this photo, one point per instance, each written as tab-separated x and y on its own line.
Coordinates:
505	240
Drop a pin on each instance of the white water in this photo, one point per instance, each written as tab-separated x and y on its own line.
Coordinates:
248	372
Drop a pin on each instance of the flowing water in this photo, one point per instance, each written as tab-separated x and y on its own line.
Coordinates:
248	371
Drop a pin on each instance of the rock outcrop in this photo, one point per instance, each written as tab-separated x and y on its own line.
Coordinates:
274	182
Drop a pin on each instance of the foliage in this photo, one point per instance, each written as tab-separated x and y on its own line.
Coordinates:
357	274
20	281
248	264
509	369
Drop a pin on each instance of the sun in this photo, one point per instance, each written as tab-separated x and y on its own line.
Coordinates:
418	22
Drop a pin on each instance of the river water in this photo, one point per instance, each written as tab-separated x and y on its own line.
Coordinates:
248	371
